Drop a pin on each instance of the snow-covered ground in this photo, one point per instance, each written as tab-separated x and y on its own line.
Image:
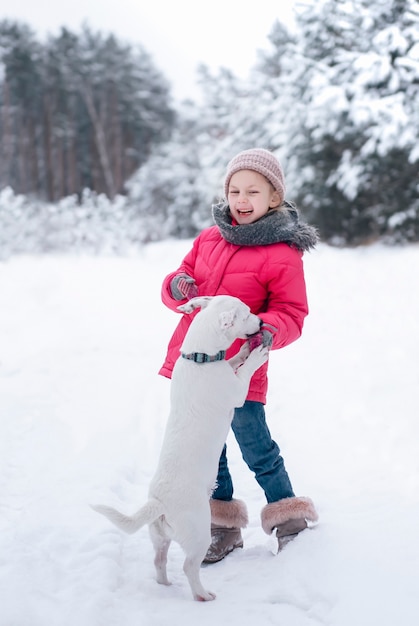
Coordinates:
82	414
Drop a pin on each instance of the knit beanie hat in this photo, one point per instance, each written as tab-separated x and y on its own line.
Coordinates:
258	160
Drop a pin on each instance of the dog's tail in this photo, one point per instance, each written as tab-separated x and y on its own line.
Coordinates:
149	512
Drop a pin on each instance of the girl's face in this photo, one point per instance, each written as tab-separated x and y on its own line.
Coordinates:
250	196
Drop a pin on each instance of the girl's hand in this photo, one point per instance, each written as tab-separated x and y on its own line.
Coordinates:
183	286
263	337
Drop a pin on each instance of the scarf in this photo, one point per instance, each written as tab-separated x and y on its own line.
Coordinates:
282	225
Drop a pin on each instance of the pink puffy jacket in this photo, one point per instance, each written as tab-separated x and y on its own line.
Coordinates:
269	279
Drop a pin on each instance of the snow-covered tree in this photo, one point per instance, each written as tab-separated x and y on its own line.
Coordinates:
354	134
175	189
166	193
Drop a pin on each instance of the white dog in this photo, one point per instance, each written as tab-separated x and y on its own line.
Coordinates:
205	390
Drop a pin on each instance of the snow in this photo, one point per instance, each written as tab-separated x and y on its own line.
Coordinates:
82	414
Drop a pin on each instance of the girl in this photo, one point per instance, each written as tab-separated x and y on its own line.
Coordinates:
254	252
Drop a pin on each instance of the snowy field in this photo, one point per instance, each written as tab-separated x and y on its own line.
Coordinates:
82	414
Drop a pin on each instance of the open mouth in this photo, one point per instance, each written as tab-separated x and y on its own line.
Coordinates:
244	211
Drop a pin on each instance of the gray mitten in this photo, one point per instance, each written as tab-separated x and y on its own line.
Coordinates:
183	286
262	338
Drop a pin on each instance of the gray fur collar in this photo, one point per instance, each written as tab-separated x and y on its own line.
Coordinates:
274	227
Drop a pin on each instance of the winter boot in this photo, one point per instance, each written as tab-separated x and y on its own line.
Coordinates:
227	519
289	517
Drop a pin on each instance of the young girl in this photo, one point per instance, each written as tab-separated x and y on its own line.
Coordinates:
253	252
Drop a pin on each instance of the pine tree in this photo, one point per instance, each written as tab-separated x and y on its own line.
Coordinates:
359	129
81	110
20	105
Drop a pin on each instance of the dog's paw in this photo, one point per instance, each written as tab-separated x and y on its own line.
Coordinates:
259	355
205	597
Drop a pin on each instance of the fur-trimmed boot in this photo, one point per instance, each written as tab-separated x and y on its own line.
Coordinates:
227	519
289	517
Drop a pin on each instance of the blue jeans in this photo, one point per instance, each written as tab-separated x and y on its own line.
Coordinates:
259	451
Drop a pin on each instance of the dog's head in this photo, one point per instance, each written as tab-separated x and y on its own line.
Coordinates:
233	316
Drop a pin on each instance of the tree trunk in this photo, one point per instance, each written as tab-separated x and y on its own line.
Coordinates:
100	140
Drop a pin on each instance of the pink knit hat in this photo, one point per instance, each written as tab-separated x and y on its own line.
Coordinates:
258	160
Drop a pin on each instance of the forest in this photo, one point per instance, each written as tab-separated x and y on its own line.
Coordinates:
95	155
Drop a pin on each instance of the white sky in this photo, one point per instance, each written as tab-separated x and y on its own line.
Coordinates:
179	34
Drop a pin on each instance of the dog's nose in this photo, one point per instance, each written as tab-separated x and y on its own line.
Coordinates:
260	323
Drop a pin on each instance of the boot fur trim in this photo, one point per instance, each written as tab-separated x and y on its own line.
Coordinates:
287	509
229	513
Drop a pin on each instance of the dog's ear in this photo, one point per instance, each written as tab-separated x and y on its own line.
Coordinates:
195	303
227	319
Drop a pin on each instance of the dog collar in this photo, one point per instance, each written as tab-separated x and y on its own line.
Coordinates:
201	357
